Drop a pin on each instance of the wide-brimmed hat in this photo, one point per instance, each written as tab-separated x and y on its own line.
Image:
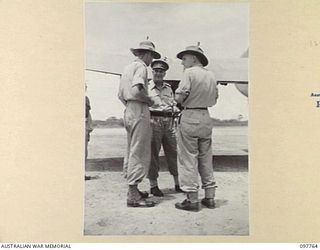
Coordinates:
146	46
194	50
160	64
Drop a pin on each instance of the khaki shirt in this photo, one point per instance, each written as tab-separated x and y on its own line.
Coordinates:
163	97
200	87
134	74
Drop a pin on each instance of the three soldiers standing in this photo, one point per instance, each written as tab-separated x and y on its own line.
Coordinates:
148	121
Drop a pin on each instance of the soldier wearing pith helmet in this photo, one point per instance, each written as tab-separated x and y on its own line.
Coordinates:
196	92
163	132
133	93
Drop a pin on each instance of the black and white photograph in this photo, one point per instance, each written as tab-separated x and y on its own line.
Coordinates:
169	122
167	113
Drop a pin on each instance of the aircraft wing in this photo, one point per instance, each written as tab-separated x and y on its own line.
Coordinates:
111	64
226	71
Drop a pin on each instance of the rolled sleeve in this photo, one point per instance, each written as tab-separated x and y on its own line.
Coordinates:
184	88
139	76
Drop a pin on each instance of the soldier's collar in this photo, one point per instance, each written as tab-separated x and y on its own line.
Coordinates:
153	85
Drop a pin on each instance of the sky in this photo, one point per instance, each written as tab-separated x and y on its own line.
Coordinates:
114	28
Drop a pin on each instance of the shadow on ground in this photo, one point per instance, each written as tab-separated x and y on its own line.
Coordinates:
221	163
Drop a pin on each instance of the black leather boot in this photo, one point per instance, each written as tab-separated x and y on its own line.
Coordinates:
143	194
208	201
134	199
178	189
188	206
156	191
191	203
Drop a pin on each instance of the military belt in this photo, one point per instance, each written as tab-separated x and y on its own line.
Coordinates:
202	108
161	113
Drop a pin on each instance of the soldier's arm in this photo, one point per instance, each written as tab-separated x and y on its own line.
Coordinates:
122	100
176	107
180	97
138	85
140	92
183	90
216	92
120	93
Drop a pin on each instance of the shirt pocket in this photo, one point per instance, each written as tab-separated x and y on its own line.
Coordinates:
156	99
167	99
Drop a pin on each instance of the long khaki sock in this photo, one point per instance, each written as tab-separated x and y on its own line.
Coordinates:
210	193
133	193
176	180
193	197
153	183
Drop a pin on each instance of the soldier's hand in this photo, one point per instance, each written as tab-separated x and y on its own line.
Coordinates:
179	106
151	102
